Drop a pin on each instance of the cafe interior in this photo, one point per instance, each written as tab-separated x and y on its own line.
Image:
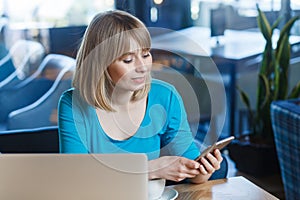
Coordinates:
235	63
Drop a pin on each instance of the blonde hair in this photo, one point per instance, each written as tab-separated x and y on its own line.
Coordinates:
107	37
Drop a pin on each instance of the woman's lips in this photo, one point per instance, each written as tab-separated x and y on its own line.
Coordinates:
139	79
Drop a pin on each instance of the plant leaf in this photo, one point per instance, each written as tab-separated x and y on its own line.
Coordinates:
246	101
267	61
276	23
277	79
266	89
282	53
245	98
264	25
286	29
281	69
295	93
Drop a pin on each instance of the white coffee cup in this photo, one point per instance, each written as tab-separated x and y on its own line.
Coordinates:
156	188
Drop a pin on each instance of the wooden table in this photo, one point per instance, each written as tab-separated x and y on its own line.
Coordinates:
234	188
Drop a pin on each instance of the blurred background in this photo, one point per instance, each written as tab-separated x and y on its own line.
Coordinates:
47	21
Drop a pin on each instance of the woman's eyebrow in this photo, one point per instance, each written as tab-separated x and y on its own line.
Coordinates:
146	49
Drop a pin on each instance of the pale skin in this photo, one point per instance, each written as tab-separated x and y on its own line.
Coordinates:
128	74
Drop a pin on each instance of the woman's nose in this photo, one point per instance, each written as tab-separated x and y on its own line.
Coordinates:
141	66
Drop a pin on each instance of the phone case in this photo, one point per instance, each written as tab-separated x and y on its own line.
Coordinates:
218	145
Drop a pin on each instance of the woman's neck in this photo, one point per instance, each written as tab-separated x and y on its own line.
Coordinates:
121	98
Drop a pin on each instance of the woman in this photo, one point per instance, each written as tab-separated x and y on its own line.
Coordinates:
115	107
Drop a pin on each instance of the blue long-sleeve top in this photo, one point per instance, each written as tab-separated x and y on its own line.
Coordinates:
164	127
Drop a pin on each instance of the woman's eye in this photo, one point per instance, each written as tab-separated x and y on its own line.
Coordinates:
145	55
127	60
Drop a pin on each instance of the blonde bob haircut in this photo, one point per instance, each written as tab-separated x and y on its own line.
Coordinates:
109	36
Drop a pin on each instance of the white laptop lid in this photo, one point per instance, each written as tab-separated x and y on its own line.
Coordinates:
73	176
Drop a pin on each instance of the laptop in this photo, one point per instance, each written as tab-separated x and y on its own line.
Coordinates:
73	176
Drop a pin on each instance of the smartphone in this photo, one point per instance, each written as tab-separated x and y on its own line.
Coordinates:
218	145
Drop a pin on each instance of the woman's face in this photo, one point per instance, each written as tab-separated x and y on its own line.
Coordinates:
129	71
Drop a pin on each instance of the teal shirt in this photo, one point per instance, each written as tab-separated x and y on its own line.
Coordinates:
164	129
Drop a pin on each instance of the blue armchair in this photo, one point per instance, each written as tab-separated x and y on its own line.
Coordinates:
32	88
285	116
6	65
44	109
20	62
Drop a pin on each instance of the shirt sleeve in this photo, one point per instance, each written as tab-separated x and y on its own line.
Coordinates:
178	139
69	139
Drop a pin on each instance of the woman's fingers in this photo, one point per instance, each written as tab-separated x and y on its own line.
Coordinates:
189	167
218	155
211	162
203	170
208	167
186	168
191	164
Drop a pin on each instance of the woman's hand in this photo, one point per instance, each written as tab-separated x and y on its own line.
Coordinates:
173	168
177	168
208	165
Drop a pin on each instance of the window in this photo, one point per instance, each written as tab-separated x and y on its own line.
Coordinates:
53	12
241	14
31	19
295	5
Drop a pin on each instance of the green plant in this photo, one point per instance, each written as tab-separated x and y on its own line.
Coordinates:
272	78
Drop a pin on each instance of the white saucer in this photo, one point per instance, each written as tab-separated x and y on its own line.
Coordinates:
169	194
